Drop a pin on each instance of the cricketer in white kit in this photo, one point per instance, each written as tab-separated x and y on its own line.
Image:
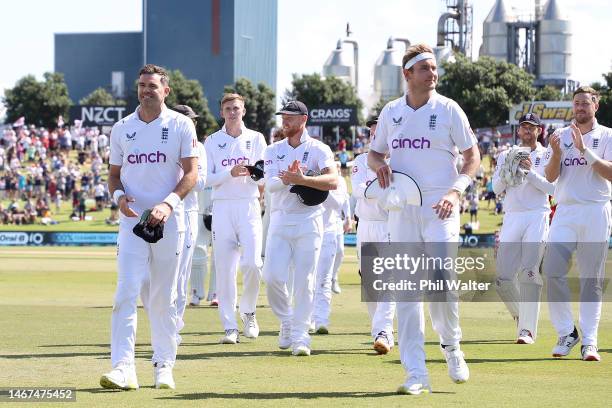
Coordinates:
332	209
524	231
344	223
372	227
199	267
296	229
420	131
153	166
579	161
236	222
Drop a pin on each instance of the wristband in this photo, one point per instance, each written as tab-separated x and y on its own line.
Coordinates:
172	200
462	182
590	156
117	195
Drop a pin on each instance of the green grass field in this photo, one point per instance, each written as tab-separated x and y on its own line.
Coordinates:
55	304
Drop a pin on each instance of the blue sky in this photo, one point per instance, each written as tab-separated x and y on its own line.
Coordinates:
307	31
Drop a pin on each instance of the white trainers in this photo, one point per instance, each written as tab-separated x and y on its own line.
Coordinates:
589	353
565	345
163	377
195	300
336	287
120	378
301	350
415	386
311	328
284	336
525	337
322	329
214	302
383	343
458	370
251	328
231	337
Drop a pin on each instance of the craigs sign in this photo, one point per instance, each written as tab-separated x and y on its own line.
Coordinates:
548	111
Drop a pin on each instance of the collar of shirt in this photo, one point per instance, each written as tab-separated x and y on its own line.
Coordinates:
243	128
164	112
433	96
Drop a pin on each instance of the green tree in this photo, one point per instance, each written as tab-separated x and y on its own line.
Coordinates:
375	110
548	93
259	103
101	96
41	102
604	113
486	89
314	90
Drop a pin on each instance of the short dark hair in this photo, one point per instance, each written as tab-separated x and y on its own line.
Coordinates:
228	97
413	51
151	69
589	90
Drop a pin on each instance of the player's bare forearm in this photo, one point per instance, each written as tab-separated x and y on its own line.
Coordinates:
553	168
190	177
328	180
114	179
603	168
375	159
471	161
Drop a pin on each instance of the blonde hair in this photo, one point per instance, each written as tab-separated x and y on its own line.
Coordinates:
228	97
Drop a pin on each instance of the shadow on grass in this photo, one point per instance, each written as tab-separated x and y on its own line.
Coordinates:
285	395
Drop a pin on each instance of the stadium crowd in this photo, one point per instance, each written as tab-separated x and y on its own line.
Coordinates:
41	169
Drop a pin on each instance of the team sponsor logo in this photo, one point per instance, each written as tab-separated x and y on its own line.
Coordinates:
574	161
568	146
235	161
164	137
355	169
131	136
397	122
537	161
223	146
248	145
145	158
267	162
595	143
432	122
280	157
305	157
407	143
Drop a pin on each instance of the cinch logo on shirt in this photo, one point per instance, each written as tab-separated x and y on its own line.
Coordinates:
407	143
575	161
139	158
235	162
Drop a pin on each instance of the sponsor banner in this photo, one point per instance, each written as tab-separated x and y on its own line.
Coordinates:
94	115
333	115
550	112
36	238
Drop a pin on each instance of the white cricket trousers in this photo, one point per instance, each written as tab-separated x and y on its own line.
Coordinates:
519	284
421	224
381	313
191	233
237	224
155	265
339	255
199	263
298	245
584	228
323	282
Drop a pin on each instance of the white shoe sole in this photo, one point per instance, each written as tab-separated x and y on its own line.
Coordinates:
405	391
163	386
107	383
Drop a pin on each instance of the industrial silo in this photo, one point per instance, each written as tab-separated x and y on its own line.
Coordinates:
554	45
388	78
336	65
495	33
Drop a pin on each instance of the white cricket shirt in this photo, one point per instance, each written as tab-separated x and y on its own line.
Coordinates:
422	142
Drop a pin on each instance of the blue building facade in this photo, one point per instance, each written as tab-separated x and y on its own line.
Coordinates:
213	41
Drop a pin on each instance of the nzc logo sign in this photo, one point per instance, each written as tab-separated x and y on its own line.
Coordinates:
91	115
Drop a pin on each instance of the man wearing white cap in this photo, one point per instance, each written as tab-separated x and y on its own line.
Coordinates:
525	227
580	163
420	131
